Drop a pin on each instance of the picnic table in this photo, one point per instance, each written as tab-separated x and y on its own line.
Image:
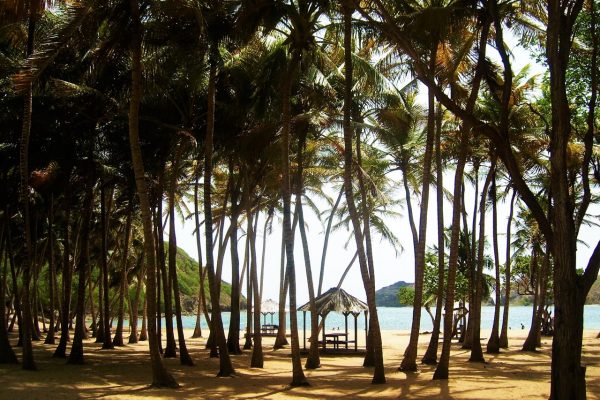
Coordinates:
336	339
269	329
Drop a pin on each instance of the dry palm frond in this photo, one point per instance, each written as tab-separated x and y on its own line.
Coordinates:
48	50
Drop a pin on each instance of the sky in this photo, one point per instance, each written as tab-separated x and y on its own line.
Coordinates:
391	264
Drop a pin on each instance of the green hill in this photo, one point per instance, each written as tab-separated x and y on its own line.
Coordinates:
388	296
593	296
189	282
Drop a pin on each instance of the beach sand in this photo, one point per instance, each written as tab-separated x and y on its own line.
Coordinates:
124	373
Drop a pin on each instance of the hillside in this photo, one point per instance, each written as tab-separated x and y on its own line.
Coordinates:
388	296
594	294
189	281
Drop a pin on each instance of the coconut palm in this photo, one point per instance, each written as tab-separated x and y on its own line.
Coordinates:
160	376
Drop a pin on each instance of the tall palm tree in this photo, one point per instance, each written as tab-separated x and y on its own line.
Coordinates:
225	365
503	341
160	376
368	279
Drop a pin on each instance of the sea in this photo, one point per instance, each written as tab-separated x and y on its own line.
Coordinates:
399	318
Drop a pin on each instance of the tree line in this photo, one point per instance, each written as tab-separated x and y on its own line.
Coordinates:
118	115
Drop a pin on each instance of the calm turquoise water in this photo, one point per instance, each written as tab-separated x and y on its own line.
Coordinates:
393	318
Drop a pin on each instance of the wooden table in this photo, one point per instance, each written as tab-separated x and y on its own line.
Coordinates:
334	338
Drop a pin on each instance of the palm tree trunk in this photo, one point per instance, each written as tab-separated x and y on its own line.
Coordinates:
441	371
171	347
184	356
249	298
7	354
367	276
257	359
13	274
76	356
50	339
326	241
160	376
281	339
225	365
533	336
159	275
118	339
298	378
27	328
409	361
430	356
107	344
135	304
471	258
312	361
144	331
476	350
201	273
493	345
264	249
67	276
233	337
504	331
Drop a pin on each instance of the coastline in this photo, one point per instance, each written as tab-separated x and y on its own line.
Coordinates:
124	373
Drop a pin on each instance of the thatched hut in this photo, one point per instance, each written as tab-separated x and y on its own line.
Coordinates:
269	307
337	300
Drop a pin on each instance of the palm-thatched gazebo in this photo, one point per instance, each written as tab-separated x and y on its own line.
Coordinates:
268	307
337	300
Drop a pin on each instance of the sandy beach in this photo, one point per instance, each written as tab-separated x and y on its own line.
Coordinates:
124	373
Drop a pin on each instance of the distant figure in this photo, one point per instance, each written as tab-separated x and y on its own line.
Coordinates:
522	326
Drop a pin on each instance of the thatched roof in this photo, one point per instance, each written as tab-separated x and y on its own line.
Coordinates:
337	300
269	306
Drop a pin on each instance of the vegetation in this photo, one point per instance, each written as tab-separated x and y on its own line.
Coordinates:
117	117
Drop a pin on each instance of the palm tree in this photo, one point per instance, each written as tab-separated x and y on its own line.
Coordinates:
225	365
83	264
367	276
503	341
160	376
184	355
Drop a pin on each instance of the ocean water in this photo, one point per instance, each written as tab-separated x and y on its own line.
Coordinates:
399	318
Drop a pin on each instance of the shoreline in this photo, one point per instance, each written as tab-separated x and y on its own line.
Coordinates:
124	373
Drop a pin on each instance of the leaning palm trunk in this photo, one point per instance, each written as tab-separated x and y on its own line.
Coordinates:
374	332
430	356
160	376
409	362
326	240
225	365
504	330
